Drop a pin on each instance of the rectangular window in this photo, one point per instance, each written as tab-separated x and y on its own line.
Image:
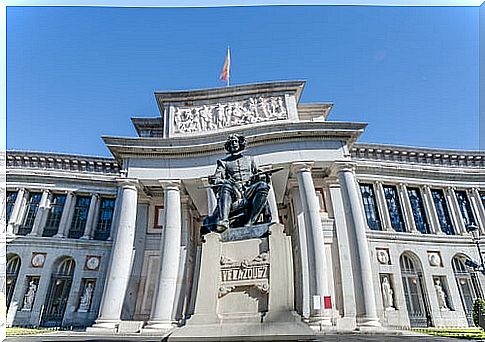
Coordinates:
419	213
55	214
482	196
158	220
321	199
80	216
11	198
394	208
105	219
465	208
442	211
370	207
29	218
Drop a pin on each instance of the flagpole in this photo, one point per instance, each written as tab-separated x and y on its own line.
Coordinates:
229	72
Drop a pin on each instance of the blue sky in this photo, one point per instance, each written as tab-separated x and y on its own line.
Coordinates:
77	73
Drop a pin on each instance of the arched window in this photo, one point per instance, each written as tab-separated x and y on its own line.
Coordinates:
414	291
13	268
467	285
58	295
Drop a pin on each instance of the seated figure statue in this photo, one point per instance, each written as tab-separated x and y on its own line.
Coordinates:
241	190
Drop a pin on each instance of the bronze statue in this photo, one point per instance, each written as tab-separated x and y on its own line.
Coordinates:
241	190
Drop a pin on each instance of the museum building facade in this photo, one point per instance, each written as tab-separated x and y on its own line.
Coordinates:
379	233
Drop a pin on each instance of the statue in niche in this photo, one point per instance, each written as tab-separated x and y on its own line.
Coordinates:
30	296
85	300
240	188
387	294
440	293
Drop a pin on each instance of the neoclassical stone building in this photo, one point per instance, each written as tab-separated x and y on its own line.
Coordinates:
378	232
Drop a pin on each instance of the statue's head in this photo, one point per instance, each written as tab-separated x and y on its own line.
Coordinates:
235	143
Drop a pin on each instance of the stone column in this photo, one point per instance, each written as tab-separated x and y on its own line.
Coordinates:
211	197
119	268
66	215
476	200
382	207
17	208
303	247
455	212
407	209
347	322
162	314
367	315
93	205
431	213
273	205
41	214
313	223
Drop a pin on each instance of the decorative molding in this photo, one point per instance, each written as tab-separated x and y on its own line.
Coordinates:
38	260
92	262
61	162
421	156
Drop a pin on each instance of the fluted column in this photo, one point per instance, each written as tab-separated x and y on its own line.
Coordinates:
367	315
431	213
41	214
313	223
119	268
14	216
162	315
64	223
93	205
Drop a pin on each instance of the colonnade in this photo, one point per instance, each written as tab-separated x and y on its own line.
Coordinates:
162	316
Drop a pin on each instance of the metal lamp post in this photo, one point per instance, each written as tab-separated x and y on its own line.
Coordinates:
475	233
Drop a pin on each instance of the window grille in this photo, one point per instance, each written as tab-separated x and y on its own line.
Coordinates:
105	219
394	208
465	208
442	211
55	213
370	206
11	198
80	217
32	208
419	213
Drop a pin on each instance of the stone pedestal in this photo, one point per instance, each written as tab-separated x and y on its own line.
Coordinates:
245	292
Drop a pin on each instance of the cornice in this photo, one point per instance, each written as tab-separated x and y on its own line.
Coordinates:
224	92
433	239
65	163
418	155
213	143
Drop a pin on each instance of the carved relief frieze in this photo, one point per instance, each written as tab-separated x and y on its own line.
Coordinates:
248	272
211	117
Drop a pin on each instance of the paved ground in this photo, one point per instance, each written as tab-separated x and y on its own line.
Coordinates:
384	337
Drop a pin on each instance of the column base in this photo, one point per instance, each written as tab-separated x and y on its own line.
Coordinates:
104	327
319	323
84	237
368	322
159	326
58	236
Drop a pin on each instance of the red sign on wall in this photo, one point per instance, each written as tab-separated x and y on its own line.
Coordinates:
327	302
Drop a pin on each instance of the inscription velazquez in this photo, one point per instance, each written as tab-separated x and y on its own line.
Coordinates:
245	273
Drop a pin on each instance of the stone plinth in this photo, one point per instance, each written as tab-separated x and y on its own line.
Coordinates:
245	292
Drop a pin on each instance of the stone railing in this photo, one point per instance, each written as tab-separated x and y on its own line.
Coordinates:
415	155
61	162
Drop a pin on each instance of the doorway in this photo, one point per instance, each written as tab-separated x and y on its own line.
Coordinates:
414	293
58	295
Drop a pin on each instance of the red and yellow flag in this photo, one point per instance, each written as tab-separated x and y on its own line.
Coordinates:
227	66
